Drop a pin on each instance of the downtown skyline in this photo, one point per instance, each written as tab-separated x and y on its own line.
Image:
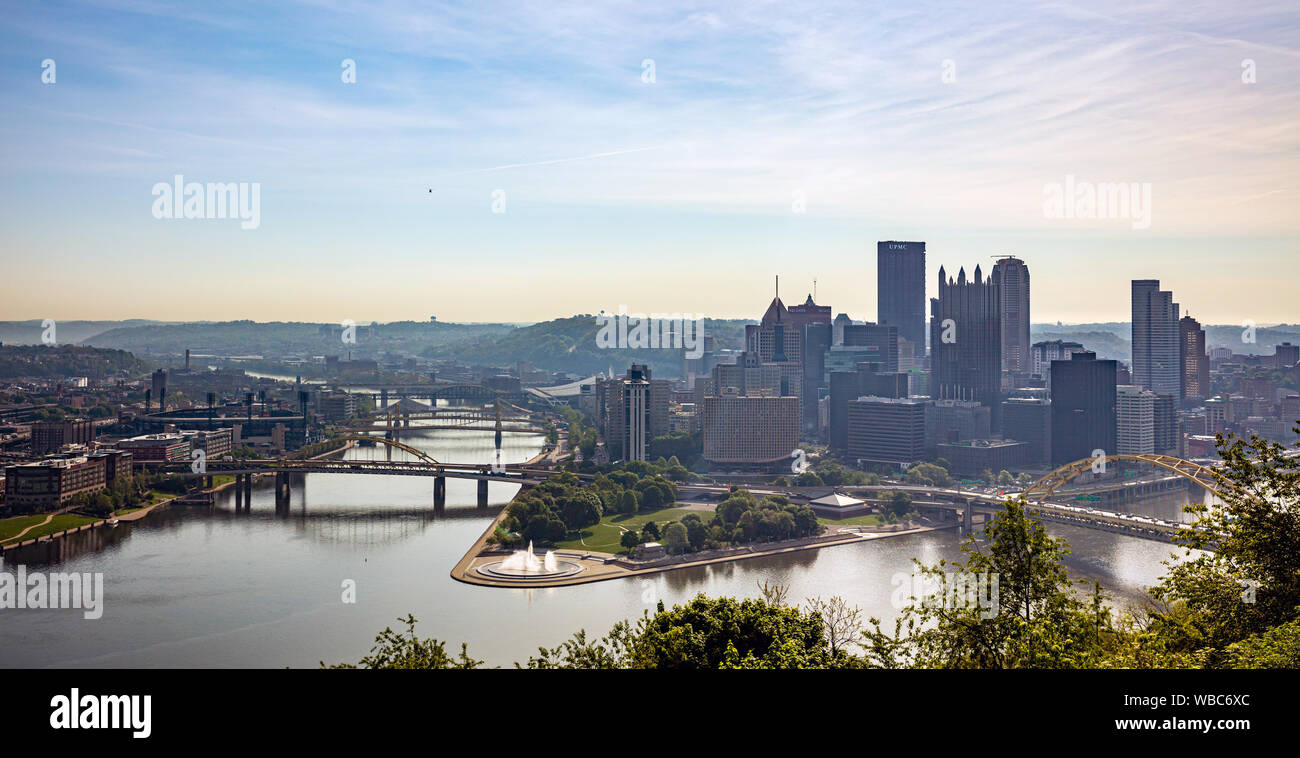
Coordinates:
764	143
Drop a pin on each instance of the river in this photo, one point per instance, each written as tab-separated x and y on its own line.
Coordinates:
212	587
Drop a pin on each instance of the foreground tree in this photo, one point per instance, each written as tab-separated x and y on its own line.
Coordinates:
1236	599
397	651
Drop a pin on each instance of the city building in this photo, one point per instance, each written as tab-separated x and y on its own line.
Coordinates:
1083	408
886	430
878	341
157	448
213	442
1135	428
1041	355
336	406
1029	420
1014	276
1194	361
956	420
49	484
973	457
1157	364
966	341
750	431
900	289
49	436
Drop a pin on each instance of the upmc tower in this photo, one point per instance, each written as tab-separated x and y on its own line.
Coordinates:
900	290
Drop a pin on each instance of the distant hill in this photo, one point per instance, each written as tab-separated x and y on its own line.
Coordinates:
65	332
569	344
67	360
1112	339
278	339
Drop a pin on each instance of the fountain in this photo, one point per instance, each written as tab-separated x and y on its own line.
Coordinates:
524	564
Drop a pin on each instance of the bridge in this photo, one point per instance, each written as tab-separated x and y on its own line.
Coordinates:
425	465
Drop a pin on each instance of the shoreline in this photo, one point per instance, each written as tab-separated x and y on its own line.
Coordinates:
601	567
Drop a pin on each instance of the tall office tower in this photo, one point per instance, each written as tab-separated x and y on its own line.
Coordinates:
1156	364
812	322
1083	408
1135	426
900	290
816	344
966	341
837	328
636	413
1164	418
774	342
1014	275
1194	362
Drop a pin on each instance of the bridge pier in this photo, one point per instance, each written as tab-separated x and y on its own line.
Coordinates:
439	491
482	492
966	517
281	489
248	491
383	398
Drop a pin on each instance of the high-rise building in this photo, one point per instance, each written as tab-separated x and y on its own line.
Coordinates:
1041	355
49	436
1156	354
1029	420
966	341
750	431
816	343
882	338
1287	355
1083	408
636	413
1135	429
1195	364
900	289
886	430
1014	275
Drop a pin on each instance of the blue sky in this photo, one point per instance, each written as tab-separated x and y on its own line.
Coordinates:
677	195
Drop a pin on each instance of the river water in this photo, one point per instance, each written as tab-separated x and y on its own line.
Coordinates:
212	587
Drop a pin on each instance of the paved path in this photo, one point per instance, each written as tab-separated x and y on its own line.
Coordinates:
19	535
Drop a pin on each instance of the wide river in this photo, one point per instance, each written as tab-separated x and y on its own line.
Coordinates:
211	587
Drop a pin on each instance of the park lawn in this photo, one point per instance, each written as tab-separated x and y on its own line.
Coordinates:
11	526
604	537
59	523
869	519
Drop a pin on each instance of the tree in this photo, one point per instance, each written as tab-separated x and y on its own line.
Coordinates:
396	651
842	622
900	503
629	502
675	538
1033	620
581	509
1005	478
630	539
987	477
1248	585
650	532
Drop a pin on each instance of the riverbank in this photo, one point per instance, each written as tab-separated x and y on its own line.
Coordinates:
600	567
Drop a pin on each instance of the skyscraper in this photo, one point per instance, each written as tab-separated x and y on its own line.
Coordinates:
966	341
1195	363
1083	408
1156	354
1014	275
900	290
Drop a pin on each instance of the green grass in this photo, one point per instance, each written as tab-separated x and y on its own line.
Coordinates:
870	519
11	526
58	524
604	537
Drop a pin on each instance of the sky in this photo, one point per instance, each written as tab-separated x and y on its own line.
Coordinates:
528	161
